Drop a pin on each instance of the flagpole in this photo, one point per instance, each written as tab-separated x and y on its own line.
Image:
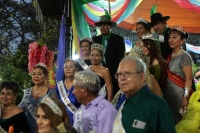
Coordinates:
109	7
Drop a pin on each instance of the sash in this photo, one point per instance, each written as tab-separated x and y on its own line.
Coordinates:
64	97
2	130
117	125
115	99
102	91
82	63
176	79
28	104
78	121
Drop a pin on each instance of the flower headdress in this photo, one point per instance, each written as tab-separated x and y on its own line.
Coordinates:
40	55
98	46
54	107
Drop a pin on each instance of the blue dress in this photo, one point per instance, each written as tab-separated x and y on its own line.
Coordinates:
73	100
31	120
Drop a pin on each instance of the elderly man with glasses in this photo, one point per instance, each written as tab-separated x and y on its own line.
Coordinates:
143	111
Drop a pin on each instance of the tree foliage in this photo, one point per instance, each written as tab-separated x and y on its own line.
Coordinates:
14	68
21	23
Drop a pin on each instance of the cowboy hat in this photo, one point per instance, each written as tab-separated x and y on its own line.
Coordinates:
105	19
157	17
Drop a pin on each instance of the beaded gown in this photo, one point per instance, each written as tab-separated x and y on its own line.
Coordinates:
173	94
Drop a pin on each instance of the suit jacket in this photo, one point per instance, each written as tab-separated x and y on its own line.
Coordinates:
164	47
114	51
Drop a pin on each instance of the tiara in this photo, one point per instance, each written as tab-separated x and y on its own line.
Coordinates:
41	64
98	46
142	20
54	107
87	78
88	39
68	59
61	128
179	29
148	36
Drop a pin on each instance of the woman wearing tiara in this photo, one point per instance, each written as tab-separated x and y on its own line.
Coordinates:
64	88
85	47
51	115
142	27
156	63
179	74
32	96
96	57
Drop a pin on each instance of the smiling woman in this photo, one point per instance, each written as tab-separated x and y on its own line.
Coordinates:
10	114
50	114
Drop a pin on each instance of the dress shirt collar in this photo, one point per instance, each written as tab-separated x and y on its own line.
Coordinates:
137	95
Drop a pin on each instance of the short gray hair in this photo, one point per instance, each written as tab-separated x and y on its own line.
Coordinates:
89	80
140	65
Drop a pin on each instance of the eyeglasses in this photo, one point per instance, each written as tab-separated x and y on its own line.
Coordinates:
125	74
70	67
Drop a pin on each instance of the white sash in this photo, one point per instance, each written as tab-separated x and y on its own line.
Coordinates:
64	97
78	120
28	104
2	130
117	125
82	63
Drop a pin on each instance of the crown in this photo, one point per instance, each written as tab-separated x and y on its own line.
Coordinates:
86	78
142	20
98	46
179	29
41	64
54	107
148	36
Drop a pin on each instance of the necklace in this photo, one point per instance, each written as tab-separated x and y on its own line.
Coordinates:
177	53
38	91
4	108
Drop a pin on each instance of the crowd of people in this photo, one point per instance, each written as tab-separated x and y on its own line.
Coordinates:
108	90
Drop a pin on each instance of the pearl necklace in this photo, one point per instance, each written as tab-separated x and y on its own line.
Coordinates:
177	53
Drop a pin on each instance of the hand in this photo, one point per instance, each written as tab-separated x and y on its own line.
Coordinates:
184	103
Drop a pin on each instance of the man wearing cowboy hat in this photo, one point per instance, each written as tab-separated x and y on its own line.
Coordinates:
114	44
159	24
